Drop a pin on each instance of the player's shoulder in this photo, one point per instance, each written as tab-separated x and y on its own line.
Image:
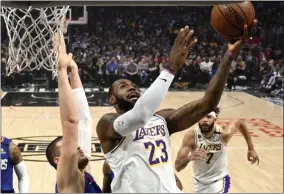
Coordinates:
108	118
189	138
13	146
235	123
15	153
190	134
106	121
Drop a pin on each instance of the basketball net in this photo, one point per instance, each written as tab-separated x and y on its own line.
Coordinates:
30	34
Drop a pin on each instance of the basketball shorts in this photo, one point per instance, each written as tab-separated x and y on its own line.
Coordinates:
218	186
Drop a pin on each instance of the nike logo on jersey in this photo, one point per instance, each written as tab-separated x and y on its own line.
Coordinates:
120	122
163	79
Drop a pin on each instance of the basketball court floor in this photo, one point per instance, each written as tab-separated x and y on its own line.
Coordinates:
32	120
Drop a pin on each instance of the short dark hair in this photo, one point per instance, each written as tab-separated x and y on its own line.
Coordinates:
53	151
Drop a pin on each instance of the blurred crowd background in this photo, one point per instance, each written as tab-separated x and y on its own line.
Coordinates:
134	43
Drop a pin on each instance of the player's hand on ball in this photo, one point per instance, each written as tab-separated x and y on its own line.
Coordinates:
235	47
252	156
183	44
200	154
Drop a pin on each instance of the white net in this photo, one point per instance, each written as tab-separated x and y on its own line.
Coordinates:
30	34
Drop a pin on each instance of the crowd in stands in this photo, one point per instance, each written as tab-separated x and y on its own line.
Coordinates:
134	43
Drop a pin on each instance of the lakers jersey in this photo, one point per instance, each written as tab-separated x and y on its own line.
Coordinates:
6	167
215	166
141	162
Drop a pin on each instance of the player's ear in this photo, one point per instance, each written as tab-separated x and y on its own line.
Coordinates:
56	160
112	100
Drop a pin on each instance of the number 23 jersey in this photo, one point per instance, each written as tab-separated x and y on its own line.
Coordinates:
215	165
141	162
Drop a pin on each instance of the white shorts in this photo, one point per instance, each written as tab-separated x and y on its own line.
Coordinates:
219	186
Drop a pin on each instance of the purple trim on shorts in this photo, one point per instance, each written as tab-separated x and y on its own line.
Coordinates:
227	183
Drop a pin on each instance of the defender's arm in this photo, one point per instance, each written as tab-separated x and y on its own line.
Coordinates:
69	178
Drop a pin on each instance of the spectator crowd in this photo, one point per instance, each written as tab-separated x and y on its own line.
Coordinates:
134	43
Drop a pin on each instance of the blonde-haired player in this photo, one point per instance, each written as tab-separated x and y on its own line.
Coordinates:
208	147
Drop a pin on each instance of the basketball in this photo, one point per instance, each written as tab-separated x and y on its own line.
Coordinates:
228	20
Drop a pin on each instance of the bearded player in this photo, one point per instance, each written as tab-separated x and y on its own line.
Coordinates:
70	153
206	147
136	139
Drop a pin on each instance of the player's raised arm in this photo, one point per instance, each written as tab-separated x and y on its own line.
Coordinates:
149	102
187	115
20	168
69	178
85	119
240	125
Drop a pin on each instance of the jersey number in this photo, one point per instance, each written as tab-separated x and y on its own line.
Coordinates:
156	160
4	164
210	155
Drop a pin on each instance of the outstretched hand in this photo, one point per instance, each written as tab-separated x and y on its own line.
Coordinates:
183	44
65	60
235	47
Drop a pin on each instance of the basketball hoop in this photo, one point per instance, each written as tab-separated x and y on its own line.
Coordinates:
30	33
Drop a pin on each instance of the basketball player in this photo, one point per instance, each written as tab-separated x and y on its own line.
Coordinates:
136	141
11	158
208	147
108	177
70	154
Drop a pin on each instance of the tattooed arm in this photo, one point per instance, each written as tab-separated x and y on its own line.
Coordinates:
187	115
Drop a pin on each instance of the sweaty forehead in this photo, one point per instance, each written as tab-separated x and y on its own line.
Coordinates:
121	81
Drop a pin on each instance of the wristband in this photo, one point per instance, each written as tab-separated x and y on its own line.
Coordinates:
166	74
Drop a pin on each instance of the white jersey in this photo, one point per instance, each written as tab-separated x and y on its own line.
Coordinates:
215	166
142	163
